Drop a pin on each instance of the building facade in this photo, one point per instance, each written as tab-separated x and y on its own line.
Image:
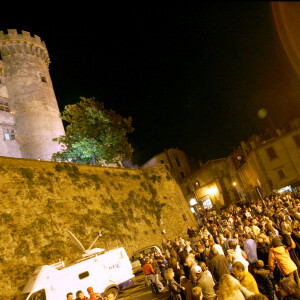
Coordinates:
266	164
210	186
29	113
177	160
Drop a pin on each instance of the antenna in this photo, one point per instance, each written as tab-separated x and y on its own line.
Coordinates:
76	241
92	244
87	252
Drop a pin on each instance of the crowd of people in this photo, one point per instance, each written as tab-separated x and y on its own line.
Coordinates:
249	251
92	295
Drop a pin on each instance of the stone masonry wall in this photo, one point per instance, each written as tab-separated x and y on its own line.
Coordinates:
40	200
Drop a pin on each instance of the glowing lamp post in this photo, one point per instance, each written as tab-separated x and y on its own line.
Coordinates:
212	192
193	202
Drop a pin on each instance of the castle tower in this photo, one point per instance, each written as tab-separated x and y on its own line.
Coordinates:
32	100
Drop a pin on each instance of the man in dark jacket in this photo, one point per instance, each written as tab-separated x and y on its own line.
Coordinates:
218	265
264	279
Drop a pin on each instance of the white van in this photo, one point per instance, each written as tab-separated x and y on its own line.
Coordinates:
104	271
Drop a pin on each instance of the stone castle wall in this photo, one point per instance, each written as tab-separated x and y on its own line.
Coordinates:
41	200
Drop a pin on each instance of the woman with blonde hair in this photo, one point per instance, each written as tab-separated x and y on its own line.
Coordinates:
231	289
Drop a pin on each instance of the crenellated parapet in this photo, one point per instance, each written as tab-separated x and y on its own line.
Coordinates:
13	42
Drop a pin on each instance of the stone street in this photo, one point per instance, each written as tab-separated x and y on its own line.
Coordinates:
139	291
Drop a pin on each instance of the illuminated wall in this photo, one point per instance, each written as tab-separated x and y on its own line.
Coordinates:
40	200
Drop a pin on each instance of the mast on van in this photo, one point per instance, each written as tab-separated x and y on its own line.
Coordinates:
89	251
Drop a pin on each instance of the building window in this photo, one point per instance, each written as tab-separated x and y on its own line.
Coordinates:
297	140
182	175
197	184
43	78
271	152
4	106
177	160
162	162
9	134
281	174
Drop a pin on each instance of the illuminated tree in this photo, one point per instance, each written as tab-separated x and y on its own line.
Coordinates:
94	135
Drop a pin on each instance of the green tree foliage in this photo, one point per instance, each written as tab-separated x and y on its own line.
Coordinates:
94	135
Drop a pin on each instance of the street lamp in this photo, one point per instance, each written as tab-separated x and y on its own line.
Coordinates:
193	202
212	191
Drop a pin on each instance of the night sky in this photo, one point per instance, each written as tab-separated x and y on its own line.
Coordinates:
192	76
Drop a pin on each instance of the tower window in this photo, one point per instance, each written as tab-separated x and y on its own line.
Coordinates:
272	153
43	78
9	134
4	106
177	160
281	174
182	175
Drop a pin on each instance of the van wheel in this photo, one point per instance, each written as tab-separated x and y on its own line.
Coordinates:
114	291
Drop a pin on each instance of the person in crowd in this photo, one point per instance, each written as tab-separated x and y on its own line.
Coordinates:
80	296
174	264
244	277
197	293
288	242
156	269
149	271
191	233
201	254
231	289
215	246
284	262
193	269
251	249
207	284
205	269
182	255
142	259
235	254
218	265
188	286
174	287
265	280
162	263
70	296
263	247
93	295
289	289
110	296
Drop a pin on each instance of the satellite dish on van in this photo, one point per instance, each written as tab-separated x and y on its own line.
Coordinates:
89	251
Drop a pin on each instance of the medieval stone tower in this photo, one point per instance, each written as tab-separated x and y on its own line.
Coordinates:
29	114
